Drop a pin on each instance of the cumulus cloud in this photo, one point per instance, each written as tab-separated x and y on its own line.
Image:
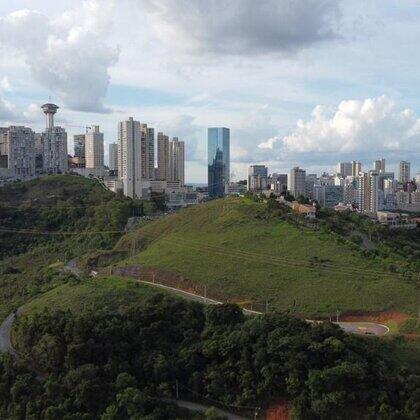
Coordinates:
185	128
372	124
5	84
68	55
8	111
10	114
244	26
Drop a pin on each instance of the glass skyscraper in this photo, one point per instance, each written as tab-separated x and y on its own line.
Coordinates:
218	160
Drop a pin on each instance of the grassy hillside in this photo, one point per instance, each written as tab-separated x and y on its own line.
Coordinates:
79	206
238	250
109	292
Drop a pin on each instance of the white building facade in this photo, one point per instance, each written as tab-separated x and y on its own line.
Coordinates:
297	182
17	152
94	148
129	158
177	160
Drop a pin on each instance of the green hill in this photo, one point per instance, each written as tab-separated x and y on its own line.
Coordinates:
242	252
33	216
98	293
58	203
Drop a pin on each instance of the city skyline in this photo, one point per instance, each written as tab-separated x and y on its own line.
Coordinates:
327	78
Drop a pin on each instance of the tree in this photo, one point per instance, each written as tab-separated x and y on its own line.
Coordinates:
159	201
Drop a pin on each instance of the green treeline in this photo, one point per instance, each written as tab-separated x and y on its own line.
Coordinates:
118	364
64	204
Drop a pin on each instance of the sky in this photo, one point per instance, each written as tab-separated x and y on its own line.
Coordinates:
298	82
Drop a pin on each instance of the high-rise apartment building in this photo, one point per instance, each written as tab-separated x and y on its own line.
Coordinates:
257	178
344	169
113	156
163	170
390	186
147	151
297	182
218	160
17	151
39	153
129	157
177	160
278	182
356	168
368	192
79	145
54	140
379	165
404	172
94	148
350	195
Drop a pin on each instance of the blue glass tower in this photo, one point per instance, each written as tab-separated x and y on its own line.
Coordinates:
218	148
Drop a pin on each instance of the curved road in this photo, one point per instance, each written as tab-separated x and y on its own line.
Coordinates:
361	328
5	329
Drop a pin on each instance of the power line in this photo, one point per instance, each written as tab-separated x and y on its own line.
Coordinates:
234	253
58	233
273	260
268	259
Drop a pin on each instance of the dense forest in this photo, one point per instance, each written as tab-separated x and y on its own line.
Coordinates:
128	359
117	364
61	204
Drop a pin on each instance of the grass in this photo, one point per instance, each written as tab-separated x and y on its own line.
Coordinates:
235	249
111	292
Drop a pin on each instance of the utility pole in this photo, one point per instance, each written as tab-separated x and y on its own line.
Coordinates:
153	277
176	389
337	315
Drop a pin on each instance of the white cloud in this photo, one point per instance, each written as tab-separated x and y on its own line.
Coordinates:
373	124
8	112
244	26
269	143
5	84
68	55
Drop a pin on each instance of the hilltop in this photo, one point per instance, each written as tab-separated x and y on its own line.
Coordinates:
238	250
58	203
34	214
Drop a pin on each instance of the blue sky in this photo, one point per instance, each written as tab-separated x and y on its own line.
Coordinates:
304	82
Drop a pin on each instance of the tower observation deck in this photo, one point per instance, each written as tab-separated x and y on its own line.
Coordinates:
49	111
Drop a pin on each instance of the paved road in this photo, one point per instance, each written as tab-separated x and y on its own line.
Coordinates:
5	333
200	407
361	328
5	329
6	325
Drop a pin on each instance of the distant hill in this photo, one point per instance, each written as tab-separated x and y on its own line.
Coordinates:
240	251
33	217
57	203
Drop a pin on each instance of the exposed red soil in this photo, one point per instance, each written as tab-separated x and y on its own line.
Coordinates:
278	411
412	337
379	317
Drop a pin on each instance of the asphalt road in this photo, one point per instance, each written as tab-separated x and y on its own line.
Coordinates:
200	407
361	328
5	329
